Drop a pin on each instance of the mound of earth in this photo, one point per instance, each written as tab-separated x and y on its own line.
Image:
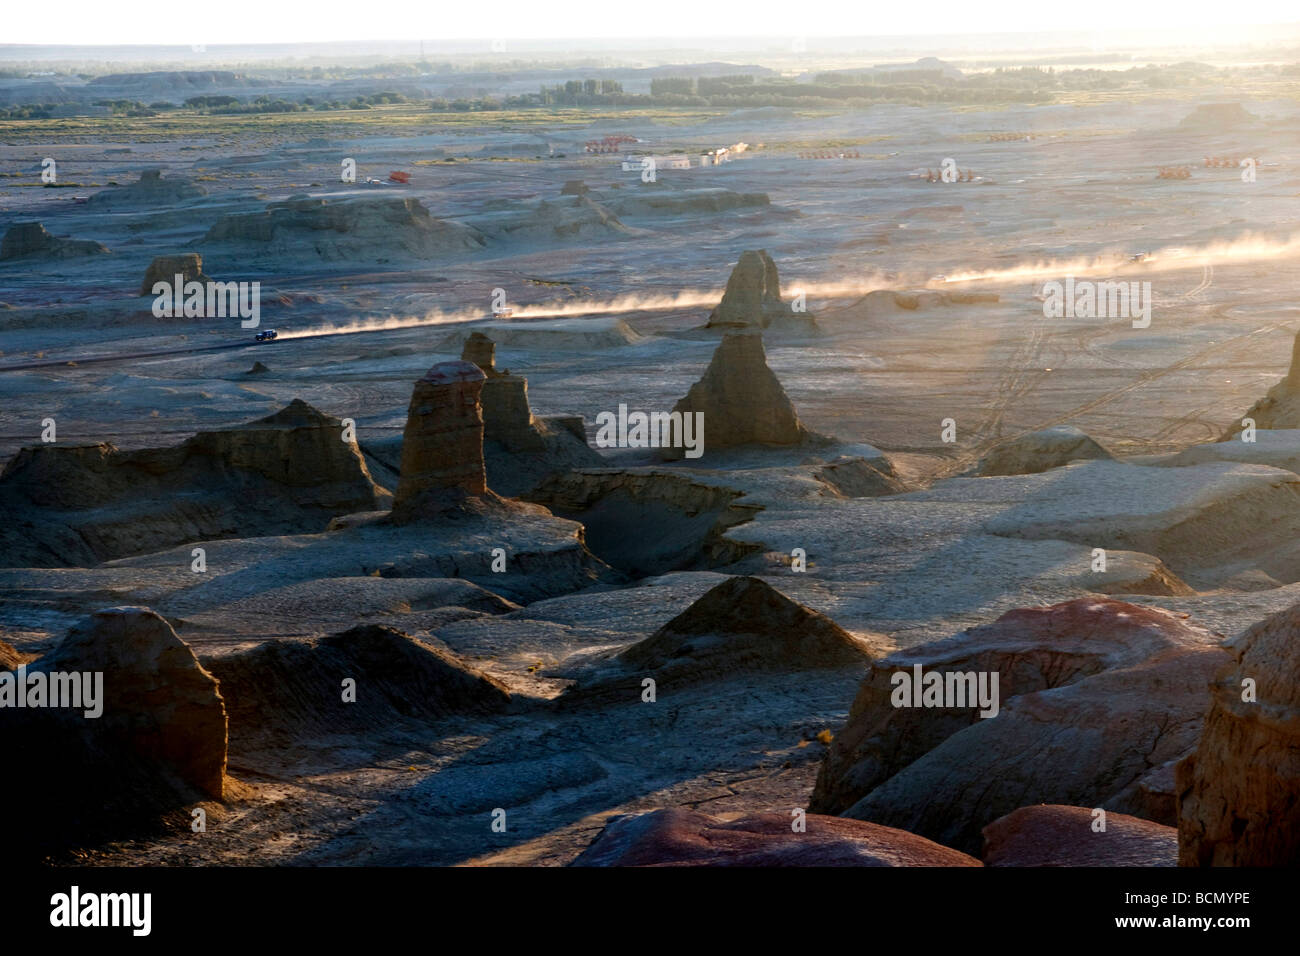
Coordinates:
666	201
679	837
187	265
742	624
741	399
1030	649
1218	117
30	239
615	506
257	369
1239	792
752	299
1088	743
1052	835
566	218
285	692
854	477
365	229
1038	452
149	190
290	472
156	740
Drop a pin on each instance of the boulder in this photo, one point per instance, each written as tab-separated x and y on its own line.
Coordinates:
1039	451
1239	792
158	743
752	298
187	265
1030	649
680	837
290	472
30	239
741	399
742	624
1052	835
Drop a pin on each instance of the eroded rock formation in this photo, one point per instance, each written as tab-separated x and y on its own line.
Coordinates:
187	265
83	504
741	624
151	189
1122	693
1031	649
1239	792
1280	408
286	692
442	444
367	229
158	742
31	239
741	399
752	299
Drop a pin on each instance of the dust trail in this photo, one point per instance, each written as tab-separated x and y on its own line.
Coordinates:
687	299
1247	248
621	305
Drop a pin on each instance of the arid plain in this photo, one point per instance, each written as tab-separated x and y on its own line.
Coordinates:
928	356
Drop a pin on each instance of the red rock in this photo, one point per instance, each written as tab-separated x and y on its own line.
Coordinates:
680	837
1085	744
1055	835
1031	649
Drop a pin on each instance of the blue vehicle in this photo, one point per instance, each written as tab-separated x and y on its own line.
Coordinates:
266	335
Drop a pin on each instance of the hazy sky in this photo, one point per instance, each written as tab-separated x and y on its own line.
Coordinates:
278	21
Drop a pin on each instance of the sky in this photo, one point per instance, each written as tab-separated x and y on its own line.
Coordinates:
281	21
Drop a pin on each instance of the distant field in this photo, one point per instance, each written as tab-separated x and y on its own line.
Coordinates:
392	120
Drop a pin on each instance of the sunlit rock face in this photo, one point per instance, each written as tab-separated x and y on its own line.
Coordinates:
442	446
